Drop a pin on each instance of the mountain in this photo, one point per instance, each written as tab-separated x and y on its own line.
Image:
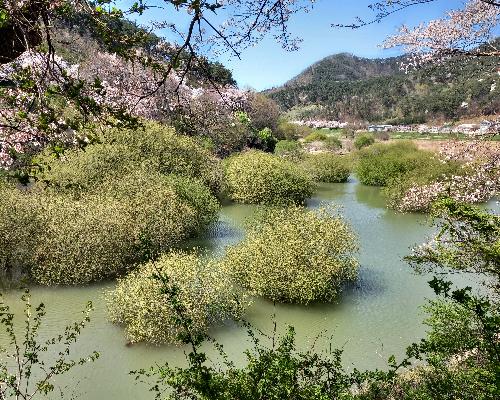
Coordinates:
346	87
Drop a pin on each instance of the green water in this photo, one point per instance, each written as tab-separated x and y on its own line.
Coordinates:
375	317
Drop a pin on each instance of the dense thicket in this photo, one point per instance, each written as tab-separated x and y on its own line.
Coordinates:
97	212
294	255
378	164
205	293
261	178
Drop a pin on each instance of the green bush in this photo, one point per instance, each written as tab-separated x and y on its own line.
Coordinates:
380	163
289	131
325	167
155	147
364	140
288	148
60	239
333	143
205	292
260	178
294	255
21	229
316	136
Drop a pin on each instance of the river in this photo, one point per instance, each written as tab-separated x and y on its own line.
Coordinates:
375	317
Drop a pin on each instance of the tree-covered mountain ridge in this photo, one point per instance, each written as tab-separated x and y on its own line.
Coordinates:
350	88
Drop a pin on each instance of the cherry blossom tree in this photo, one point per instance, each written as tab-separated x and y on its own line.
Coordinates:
466	32
131	83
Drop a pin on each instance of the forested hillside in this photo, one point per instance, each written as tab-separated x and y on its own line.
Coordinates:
345	87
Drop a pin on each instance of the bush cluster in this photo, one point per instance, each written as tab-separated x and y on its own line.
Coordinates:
380	163
316	136
154	147
205	292
326	167
364	140
294	255
96	213
260	178
289	149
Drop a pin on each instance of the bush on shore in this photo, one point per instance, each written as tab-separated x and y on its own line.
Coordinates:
325	167
296	256
205	291
316	136
379	163
364	140
289	149
259	178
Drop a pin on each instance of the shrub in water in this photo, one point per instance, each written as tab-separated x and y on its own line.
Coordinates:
380	163
21	229
63	240
205	292
261	178
326	167
294	255
364	140
430	172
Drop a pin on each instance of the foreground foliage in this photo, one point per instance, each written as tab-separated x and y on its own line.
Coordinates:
259	178
203	290
26	372
293	255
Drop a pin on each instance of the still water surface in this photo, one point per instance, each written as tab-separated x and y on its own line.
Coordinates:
375	317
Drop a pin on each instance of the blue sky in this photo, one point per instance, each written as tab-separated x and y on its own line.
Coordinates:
267	64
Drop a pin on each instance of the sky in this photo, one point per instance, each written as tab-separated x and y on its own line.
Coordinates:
267	64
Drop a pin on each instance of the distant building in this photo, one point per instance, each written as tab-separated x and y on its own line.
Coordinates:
379	128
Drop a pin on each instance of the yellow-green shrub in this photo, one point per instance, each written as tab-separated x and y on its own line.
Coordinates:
294	255
325	167
379	163
131	220
170	153
205	291
21	228
154	148
262	178
62	239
